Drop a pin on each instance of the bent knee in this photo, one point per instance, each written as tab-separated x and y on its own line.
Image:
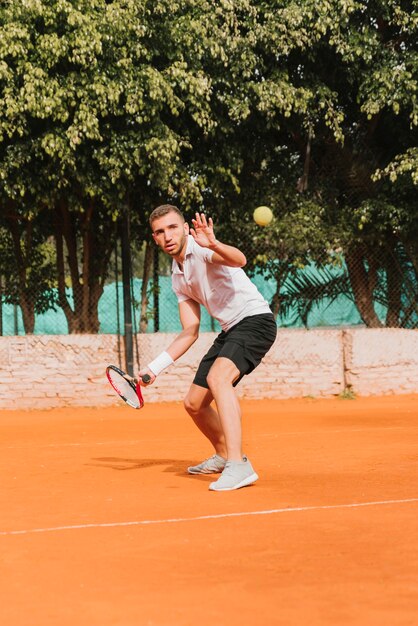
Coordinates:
192	405
197	399
222	374
188	404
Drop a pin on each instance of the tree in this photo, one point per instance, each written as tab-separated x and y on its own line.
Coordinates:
112	106
27	265
101	103
325	130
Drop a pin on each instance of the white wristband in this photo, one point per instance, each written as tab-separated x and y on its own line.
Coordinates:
160	363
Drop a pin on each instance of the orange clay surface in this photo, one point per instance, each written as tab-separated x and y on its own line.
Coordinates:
101	525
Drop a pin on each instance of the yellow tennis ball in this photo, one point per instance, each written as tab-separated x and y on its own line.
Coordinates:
263	215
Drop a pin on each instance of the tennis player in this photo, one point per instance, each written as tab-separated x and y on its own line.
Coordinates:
207	272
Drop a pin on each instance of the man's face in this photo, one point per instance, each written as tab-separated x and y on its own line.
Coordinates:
170	233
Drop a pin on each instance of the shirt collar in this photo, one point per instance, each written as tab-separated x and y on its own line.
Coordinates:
189	250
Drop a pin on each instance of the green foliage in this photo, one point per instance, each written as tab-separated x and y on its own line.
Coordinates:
306	106
406	163
27	265
39	273
347	394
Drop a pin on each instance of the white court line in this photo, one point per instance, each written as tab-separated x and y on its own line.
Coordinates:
177	520
339	430
138	441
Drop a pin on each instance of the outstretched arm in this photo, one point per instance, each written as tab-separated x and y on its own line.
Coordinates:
189	312
203	234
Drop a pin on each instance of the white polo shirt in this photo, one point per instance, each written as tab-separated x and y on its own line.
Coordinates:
226	292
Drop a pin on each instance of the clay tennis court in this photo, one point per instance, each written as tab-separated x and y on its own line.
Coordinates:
100	523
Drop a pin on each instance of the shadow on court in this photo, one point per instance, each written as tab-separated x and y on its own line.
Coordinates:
121	464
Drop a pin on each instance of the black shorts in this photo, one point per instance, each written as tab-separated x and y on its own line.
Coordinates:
245	344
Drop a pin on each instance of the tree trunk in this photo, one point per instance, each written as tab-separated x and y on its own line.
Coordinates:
408	275
28	312
62	296
146	273
88	285
87	321
412	252
394	291
26	301
275	301
362	284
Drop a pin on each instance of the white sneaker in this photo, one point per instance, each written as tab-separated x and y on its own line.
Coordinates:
213	465
236	474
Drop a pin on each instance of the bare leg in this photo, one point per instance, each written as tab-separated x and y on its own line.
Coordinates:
220	379
197	404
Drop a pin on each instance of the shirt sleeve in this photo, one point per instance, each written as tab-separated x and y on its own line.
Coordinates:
181	297
203	253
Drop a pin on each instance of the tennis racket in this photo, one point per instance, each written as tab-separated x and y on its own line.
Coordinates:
126	387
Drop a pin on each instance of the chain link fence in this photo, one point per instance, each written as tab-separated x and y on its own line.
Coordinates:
375	287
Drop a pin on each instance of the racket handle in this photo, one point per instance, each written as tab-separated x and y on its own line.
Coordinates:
146	378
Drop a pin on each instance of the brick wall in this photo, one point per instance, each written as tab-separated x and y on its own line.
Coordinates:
68	370
381	361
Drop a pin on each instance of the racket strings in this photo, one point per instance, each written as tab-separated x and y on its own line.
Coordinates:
124	388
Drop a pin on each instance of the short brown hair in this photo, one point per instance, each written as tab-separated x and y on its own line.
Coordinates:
162	210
